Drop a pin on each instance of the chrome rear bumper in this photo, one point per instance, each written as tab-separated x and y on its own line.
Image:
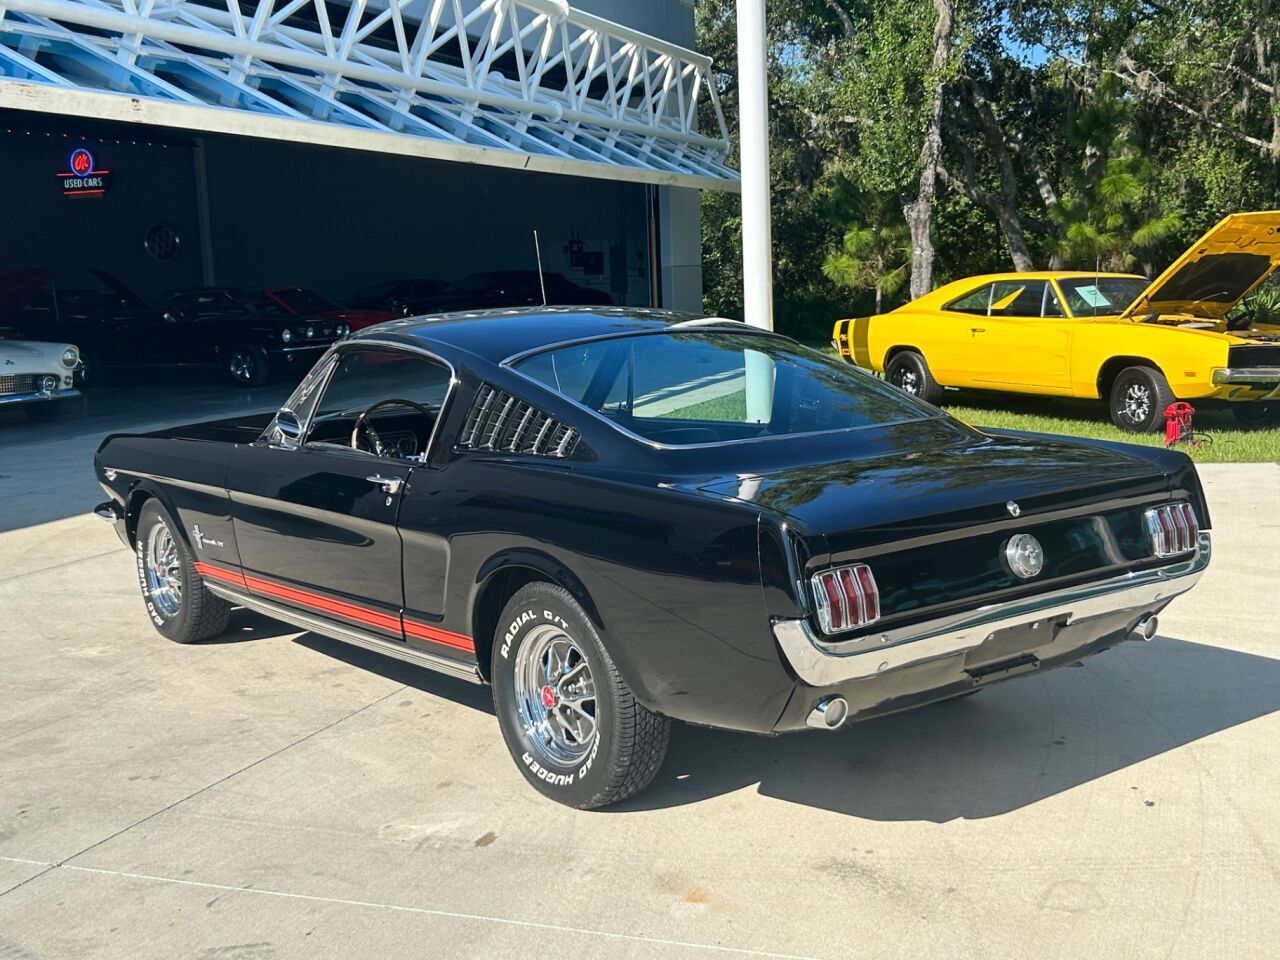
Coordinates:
822	663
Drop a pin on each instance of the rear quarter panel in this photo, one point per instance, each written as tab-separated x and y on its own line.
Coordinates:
943	338
673	577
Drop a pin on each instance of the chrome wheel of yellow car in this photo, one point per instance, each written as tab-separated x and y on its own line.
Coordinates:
909	373
1139	396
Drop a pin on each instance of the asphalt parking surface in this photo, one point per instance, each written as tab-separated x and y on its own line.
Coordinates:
279	795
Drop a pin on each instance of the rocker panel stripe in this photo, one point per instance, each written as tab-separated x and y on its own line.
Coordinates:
350	611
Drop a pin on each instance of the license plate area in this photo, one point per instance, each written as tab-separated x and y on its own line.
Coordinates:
1013	643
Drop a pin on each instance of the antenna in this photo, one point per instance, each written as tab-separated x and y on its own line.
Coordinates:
537	252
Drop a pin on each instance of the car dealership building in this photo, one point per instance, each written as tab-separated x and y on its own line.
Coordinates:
175	143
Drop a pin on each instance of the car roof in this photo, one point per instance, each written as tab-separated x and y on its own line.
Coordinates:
967	284
495	335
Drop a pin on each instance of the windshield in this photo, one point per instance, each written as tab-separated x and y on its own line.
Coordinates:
1101	296
304	301
689	388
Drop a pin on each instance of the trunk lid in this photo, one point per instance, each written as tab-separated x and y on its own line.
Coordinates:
1215	272
934	523
887	496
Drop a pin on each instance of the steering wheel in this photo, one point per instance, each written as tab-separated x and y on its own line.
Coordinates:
362	422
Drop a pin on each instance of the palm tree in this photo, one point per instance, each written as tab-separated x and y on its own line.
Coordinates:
1113	216
871	256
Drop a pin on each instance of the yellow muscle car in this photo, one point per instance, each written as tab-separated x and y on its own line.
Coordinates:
1137	345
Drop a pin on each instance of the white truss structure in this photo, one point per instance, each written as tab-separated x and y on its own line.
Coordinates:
532	84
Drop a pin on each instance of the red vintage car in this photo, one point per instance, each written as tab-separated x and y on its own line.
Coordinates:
303	302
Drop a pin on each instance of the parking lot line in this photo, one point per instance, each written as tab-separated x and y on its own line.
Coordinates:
420	911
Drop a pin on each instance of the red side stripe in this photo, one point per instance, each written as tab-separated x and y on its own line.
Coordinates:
220	573
425	631
351	611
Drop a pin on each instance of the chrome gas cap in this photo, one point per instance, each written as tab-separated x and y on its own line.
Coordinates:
1024	556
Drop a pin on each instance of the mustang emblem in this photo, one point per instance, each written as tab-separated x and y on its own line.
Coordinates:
1013	508
202	541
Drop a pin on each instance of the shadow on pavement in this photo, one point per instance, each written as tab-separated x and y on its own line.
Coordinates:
420	678
984	756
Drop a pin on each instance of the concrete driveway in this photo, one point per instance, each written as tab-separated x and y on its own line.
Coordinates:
278	795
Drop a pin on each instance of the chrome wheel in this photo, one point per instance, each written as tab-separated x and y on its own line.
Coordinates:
162	564
1135	403
241	366
556	695
907	380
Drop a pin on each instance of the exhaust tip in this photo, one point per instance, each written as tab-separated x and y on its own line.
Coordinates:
1146	628
829	714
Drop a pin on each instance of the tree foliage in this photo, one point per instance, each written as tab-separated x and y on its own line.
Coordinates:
1070	133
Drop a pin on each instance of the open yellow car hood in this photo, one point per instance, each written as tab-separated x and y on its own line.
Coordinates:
1217	270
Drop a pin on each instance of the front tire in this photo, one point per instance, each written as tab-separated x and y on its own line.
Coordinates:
248	365
569	720
177	601
909	373
89	372
1138	398
1256	414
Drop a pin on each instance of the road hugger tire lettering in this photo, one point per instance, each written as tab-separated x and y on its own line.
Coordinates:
553	679
196	614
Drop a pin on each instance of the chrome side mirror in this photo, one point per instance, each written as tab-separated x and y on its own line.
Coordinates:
289	427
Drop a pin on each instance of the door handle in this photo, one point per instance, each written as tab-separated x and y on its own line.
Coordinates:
390	485
977	329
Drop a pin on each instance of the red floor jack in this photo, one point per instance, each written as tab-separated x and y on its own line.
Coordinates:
1177	425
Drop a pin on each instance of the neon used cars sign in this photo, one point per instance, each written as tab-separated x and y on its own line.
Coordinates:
82	178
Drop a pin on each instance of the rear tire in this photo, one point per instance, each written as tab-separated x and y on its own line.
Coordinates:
177	601
909	373
1138	398
248	365
569	720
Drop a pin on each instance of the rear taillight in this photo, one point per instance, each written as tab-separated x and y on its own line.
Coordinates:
846	597
1172	529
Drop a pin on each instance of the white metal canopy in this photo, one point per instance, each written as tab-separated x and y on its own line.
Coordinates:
531	84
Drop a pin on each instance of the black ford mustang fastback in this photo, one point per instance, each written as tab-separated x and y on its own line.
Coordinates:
620	517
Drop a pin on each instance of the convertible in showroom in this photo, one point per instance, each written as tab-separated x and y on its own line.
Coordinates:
1136	345
622	517
36	376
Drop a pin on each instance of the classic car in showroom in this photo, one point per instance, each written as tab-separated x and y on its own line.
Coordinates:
619	518
116	330
1136	345
309	305
508	288
396	297
37	377
249	337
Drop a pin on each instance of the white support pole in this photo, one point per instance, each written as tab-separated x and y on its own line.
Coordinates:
753	127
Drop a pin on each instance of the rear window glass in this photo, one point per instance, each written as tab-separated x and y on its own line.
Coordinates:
690	388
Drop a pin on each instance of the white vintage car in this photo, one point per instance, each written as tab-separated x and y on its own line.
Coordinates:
37	375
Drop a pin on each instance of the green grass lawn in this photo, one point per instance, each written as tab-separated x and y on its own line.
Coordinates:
1225	441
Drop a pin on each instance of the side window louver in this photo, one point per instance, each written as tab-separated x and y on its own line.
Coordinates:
499	422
